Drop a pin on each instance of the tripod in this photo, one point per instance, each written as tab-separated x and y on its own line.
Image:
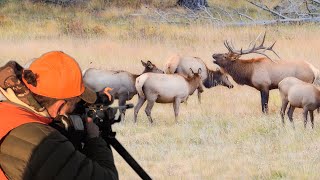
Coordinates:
104	117
111	139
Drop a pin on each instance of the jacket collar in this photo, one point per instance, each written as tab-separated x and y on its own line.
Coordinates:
10	95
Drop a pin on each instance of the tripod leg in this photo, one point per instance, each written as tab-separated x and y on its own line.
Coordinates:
128	158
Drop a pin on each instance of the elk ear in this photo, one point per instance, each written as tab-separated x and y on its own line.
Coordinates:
143	63
199	71
149	64
191	71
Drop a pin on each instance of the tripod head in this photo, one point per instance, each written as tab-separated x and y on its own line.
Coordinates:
102	114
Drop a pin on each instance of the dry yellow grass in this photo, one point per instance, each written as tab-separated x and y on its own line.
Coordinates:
224	137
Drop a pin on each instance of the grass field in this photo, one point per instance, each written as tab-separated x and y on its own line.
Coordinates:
224	137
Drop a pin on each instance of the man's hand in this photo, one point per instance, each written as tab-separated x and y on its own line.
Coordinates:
92	128
106	92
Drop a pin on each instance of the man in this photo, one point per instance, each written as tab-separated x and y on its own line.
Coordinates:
30	148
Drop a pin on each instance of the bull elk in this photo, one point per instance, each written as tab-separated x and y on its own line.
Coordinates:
263	73
165	88
210	78
121	82
300	95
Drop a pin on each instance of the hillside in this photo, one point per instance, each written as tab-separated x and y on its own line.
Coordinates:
115	19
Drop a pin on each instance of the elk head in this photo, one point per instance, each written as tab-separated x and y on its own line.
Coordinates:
217	78
197	79
233	55
150	67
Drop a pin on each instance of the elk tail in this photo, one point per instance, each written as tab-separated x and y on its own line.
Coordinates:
84	72
172	64
316	73
317	78
139	84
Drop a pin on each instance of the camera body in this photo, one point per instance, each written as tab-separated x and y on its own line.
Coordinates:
101	112
73	126
104	116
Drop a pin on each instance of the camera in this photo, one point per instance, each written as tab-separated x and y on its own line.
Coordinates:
103	116
101	112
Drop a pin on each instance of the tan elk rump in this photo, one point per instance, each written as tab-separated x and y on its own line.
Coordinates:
298	94
262	73
165	88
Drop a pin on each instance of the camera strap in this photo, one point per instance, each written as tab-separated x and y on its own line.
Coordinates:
71	127
77	122
71	122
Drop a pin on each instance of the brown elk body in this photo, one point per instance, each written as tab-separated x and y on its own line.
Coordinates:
298	94
121	82
165	88
262	73
210	78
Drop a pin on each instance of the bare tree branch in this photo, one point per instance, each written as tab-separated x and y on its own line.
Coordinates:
162	16
316	1
244	15
210	14
226	13
269	10
286	12
270	22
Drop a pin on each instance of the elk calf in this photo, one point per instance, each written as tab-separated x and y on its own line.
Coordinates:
165	88
210	78
300	95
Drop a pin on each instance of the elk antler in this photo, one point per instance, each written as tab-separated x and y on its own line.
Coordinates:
254	49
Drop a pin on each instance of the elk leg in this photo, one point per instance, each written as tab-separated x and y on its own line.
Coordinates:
122	102
283	110
148	109
311	118
264	100
176	105
199	96
137	107
305	117
186	101
290	114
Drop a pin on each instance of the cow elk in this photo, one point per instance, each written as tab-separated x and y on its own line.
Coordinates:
298	94
210	78
121	82
263	73
165	88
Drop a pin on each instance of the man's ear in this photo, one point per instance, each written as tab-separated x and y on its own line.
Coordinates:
54	109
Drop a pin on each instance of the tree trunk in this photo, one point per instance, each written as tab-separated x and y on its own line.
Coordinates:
193	4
